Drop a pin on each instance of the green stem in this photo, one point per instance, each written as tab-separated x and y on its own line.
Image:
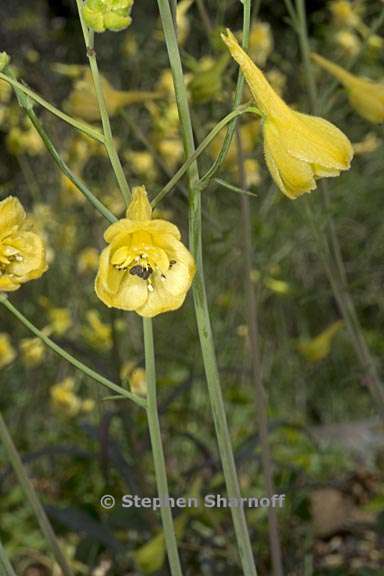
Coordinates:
216	166
200	149
5	564
200	297
108	138
335	267
33	498
82	126
68	357
157	450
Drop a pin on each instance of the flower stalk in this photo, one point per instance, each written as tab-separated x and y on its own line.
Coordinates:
200	296
157	449
108	139
33	499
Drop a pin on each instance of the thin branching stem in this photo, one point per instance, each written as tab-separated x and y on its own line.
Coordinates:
200	296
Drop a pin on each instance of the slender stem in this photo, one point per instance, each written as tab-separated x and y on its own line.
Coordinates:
157	450
261	397
5	564
33	498
335	267
78	124
199	150
108	138
216	166
200	297
68	357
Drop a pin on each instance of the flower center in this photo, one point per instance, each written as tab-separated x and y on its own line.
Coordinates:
8	254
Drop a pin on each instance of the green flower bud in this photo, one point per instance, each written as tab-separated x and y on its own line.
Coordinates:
101	15
4	60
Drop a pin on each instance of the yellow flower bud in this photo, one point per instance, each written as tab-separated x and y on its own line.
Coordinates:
60	320
364	95
22	251
97	333
298	148
348	42
64	399
138	382
88	260
145	267
344	13
102	15
32	351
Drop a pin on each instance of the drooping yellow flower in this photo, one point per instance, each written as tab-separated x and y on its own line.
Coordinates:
319	347
364	95
298	148
102	15
7	351
22	251
32	351
82	101
145	268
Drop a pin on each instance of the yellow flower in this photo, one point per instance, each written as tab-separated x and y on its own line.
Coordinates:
260	42
88	260
206	82
82	101
96	332
7	351
145	268
102	15
142	163
60	320
298	148
348	42
182	21
24	141
32	351
278	286
365	96
369	144
63	397
138	382
22	252
319	347
344	13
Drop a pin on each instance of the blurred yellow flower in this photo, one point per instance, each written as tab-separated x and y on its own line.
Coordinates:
24	141
277	80
7	351
277	286
298	148
82	100
206	82
348	42
88	260
260	42
369	144
102	15
97	333
319	347
171	149
22	251
344	13
64	399
142	163
182	21
365	96
129	46
138	382
32	351
60	320
145	267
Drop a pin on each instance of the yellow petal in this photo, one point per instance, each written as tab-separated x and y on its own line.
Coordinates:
139	207
317	141
292	176
12	214
160	301
266	98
